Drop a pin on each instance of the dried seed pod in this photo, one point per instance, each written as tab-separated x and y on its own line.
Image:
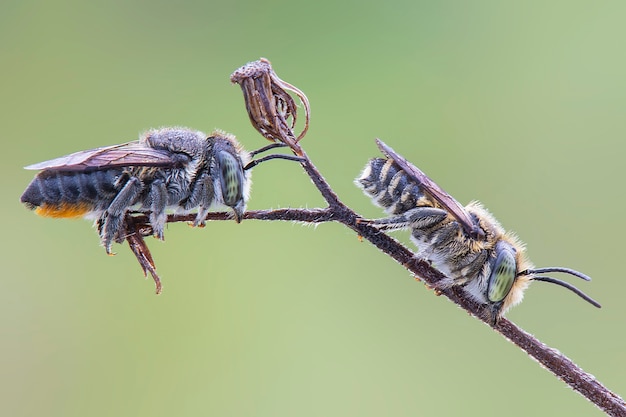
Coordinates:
272	111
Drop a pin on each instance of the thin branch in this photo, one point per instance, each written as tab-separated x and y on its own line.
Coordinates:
286	214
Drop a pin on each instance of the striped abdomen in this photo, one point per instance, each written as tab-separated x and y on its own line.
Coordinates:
391	188
71	193
438	236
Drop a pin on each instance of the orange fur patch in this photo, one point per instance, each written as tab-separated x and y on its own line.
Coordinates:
63	210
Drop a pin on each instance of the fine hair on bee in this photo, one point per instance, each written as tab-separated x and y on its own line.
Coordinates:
467	244
171	168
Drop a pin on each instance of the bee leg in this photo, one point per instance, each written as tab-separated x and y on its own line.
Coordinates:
388	223
112	220
201	216
158	218
443	236
417	218
471	265
425	217
202	196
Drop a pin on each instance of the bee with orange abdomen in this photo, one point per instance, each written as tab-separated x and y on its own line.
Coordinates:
467	244
170	168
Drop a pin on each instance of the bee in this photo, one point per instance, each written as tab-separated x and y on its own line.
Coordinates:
169	168
466	244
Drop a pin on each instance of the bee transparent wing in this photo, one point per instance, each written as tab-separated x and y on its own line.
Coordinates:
126	154
446	200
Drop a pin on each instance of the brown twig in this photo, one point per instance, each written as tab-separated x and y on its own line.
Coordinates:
269	108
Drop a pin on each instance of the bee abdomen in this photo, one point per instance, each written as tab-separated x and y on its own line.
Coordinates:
389	186
70	194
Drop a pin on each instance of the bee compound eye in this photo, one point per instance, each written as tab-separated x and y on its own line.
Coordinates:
231	174
502	275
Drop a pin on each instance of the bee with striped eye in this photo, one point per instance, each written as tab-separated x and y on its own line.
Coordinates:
466	244
170	168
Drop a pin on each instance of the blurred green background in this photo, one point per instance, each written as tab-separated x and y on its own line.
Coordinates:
517	104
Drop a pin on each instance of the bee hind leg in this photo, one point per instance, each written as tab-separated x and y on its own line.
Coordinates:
417	218
387	223
111	224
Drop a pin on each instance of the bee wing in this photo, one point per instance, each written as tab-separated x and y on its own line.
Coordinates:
127	154
448	202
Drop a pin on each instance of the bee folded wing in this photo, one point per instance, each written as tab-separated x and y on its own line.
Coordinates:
446	200
127	154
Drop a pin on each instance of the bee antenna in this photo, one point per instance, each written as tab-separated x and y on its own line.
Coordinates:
256	162
569	287
556	269
267	148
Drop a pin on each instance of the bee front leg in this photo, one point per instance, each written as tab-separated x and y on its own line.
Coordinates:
111	223
158	197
